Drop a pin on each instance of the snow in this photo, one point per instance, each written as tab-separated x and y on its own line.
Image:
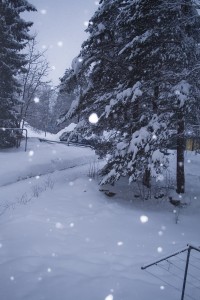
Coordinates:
182	91
32	132
101	27
77	62
62	238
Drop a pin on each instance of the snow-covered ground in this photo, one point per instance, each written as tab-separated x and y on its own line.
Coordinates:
61	238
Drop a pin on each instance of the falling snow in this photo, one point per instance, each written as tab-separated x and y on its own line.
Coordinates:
60	44
93	118
59	225
86	23
36	100
162	287
109	297
120	243
160	249
43	11
31	153
144	219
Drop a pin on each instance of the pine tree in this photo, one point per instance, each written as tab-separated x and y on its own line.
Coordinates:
140	64
13	38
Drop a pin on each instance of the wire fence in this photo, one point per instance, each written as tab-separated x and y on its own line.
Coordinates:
179	271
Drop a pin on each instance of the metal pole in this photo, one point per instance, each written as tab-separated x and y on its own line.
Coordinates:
25	139
162	259
185	275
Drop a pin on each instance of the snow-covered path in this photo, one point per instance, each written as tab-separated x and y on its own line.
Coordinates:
63	239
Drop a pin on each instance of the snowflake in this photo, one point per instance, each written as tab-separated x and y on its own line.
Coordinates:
144	219
120	243
60	44
59	225
43	11
31	153
160	249
86	23
36	100
154	137
109	297
162	287
93	118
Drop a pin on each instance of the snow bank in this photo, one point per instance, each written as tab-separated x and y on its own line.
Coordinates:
68	240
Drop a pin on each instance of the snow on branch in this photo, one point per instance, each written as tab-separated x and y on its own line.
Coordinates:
129	94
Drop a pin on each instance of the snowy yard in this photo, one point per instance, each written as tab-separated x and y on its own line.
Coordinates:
62	238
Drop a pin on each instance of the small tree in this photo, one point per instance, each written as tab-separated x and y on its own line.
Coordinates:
40	111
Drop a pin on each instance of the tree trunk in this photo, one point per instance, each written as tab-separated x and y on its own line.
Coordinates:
147	178
180	173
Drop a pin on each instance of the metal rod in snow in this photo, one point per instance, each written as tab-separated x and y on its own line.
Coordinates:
26	139
162	259
185	275
194	247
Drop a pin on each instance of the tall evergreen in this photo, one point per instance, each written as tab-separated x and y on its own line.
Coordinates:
13	38
141	67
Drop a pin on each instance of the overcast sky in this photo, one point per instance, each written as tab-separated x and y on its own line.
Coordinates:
60	25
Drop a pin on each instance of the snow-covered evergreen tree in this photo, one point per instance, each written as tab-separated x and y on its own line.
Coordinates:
13	38
69	92
141	64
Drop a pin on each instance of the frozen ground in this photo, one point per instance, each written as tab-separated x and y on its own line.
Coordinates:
61	238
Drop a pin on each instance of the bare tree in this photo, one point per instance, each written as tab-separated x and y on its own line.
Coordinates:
37	70
40	115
